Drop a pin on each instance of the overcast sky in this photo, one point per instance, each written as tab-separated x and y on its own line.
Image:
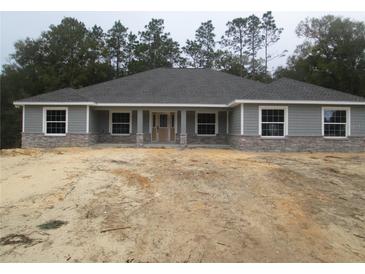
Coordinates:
181	25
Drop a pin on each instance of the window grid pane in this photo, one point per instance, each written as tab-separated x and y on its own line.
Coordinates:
207	129
335	116
120	128
272	129
335	123
206	123
56	128
272	122
273	115
56	115
120	123
206	118
120	117
56	121
163	120
335	130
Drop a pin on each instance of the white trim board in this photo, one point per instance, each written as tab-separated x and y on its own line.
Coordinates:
87	119
16	103
231	104
295	102
23	119
242	119
159	105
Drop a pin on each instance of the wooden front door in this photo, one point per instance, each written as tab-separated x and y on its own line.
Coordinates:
163	127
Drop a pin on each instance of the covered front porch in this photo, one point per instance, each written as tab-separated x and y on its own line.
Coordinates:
155	126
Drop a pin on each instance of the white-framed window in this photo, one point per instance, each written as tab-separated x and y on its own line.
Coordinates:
55	121
206	123
335	122
273	121
121	123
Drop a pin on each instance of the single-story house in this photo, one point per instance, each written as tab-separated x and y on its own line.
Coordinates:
197	106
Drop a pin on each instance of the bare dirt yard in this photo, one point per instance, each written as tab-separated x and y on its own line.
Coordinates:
173	205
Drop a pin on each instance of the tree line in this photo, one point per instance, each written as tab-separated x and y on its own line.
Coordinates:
71	55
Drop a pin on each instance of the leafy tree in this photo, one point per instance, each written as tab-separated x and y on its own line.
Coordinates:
193	50
117	40
253	41
202	50
332	54
156	48
66	55
231	63
271	34
234	39
98	49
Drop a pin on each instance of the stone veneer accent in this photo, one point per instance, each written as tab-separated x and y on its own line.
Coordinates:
139	139
71	139
183	139
298	144
116	139
248	143
219	139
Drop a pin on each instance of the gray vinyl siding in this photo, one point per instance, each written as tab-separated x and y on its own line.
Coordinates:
190	122
251	119
304	120
235	121
77	119
222	122
357	121
146	121
33	119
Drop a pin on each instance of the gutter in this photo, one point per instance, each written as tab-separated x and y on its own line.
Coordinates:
231	104
298	102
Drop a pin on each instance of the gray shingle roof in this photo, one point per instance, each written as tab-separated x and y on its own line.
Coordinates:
289	89
183	86
61	95
191	86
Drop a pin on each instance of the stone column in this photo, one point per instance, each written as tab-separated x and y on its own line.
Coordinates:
139	135
183	135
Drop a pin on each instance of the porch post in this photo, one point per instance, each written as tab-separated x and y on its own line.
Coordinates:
183	135
139	135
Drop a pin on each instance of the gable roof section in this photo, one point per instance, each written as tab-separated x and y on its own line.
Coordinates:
165	86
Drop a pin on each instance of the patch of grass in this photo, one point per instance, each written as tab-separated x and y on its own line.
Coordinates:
53	224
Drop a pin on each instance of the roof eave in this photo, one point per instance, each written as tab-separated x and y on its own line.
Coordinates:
39	103
231	104
304	102
22	103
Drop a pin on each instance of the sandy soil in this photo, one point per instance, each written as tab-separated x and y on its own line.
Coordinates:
172	205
